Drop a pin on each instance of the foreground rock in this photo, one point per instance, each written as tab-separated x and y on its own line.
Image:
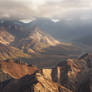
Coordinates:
73	75
16	70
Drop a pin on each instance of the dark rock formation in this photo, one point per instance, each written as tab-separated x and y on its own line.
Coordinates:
73	75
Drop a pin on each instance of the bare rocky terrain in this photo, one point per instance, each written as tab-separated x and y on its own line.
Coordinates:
72	75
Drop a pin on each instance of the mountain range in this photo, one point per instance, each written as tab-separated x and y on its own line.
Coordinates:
16	34
33	42
64	30
44	56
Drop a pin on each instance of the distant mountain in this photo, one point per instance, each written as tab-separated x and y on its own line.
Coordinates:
64	29
13	27
36	40
26	38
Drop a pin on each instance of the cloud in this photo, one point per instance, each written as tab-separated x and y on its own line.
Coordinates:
59	9
15	10
66	9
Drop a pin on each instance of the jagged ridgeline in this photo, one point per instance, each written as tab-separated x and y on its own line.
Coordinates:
71	75
22	36
27	37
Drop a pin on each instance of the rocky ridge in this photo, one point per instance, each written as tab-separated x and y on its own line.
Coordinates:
72	75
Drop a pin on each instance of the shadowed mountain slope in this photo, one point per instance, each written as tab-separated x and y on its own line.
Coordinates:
9	52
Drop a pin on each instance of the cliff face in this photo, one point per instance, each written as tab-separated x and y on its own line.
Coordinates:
72	75
90	81
46	85
17	70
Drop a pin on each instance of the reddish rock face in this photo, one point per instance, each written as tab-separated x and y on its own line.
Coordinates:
73	75
17	70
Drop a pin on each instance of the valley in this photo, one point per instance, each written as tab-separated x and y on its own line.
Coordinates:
38	47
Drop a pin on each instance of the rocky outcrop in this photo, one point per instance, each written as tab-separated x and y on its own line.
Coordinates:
16	70
90	80
46	85
33	83
72	75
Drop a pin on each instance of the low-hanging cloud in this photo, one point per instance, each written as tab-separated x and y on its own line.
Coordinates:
59	9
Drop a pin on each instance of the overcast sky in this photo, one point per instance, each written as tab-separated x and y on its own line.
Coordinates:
55	9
